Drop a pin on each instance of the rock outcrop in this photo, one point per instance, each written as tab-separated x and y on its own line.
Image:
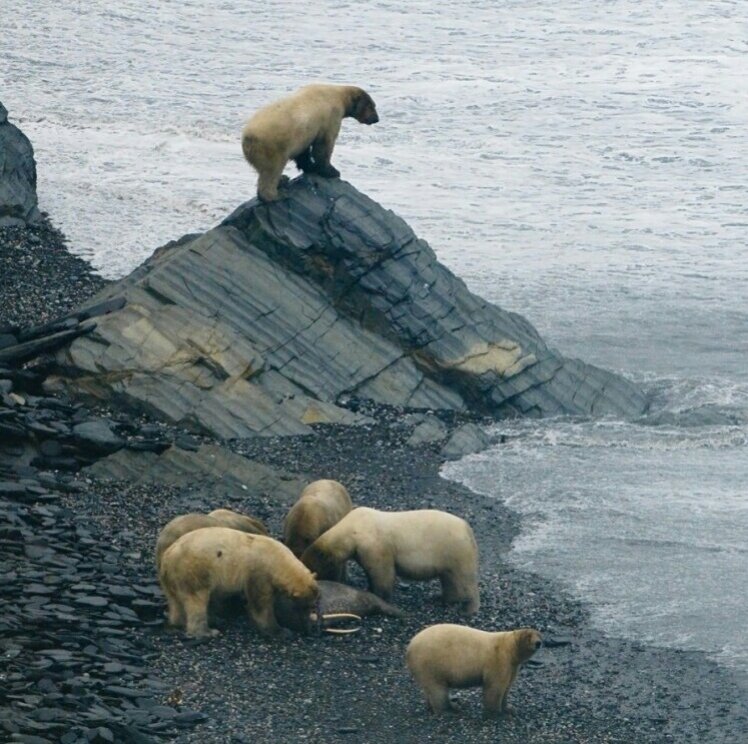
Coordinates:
18	205
213	471
275	318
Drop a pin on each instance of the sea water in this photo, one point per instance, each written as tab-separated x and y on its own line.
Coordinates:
583	163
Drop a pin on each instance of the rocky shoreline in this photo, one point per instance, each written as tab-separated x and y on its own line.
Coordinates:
86	657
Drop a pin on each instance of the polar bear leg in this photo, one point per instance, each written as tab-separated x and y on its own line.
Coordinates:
196	609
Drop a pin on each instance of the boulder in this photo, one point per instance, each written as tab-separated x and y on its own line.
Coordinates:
262	325
97	436
465	440
428	429
18	204
214	471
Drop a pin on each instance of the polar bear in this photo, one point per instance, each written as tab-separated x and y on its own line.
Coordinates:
448	656
418	545
302	127
321	505
222	561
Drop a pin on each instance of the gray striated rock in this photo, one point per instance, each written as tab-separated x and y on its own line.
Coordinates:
18	205
97	436
262	324
213	470
428	429
467	439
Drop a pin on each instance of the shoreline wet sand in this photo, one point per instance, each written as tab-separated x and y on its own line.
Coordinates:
584	687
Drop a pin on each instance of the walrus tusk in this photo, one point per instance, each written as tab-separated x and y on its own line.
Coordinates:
341	616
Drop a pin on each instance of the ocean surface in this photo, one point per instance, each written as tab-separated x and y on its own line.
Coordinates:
583	163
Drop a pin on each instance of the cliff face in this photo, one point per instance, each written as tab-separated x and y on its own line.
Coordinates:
272	319
17	176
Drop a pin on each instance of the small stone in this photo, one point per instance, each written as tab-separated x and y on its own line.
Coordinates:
97	435
8	488
92	601
189	718
186	442
50	448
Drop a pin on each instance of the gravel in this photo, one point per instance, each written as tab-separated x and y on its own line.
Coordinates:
39	279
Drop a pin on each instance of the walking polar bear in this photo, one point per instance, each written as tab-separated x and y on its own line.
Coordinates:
321	505
221	561
217	518
302	127
418	545
453	656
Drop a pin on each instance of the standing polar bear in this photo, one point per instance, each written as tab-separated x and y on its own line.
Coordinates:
222	561
419	545
185	523
302	127
444	656
321	505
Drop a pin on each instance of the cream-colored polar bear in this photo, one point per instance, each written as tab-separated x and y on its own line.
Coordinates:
418	545
448	656
185	523
302	127
221	561
322	504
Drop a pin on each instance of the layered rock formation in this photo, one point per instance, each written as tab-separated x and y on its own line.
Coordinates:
275	318
18	205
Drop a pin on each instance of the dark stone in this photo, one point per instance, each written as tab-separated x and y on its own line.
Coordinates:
30	349
8	488
122	592
7	339
185	442
97	435
554	641
92	601
48	714
126	692
50	448
99	308
57	463
18	202
189	718
11	432
132	735
47	329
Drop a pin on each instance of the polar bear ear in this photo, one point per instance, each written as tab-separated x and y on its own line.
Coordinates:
314	574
